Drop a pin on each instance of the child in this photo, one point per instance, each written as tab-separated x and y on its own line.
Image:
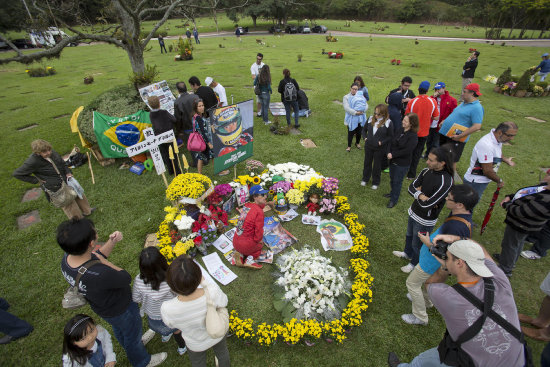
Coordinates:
151	290
87	344
358	103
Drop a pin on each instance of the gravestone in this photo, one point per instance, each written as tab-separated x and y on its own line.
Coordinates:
27	220
32	194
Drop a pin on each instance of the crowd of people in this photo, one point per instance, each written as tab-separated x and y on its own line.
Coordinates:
479	311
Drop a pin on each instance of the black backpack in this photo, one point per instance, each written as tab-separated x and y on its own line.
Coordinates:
290	93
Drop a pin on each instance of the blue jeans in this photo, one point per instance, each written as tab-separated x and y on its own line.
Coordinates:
478	187
127	329
159	327
264	100
412	242
429	358
397	175
294	105
10	324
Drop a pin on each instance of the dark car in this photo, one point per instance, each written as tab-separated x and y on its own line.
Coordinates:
275	29
291	29
319	29
244	30
22	43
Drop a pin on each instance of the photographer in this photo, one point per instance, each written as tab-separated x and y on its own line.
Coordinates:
486	343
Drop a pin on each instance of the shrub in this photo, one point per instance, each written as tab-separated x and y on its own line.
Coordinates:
514	79
140	80
119	101
543	85
524	81
40	71
505	77
88	79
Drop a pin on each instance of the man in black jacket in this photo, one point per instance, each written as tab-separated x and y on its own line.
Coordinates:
429	190
405	90
468	70
205	93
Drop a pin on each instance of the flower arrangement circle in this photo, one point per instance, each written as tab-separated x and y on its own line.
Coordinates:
307	182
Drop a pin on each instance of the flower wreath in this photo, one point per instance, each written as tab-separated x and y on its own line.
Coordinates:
309	331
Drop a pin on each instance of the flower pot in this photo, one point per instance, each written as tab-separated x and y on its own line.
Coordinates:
520	93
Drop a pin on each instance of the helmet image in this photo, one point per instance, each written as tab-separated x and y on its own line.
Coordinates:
226	150
228	125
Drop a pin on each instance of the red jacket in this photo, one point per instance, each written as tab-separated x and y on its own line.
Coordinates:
446	106
426	109
250	241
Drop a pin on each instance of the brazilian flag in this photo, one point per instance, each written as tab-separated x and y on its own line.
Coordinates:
115	134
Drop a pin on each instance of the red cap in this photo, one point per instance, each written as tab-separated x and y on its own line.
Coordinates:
474	87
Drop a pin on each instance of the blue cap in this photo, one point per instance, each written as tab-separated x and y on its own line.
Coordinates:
439	85
545	54
424	85
257	190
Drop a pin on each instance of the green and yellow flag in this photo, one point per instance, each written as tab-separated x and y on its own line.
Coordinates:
115	134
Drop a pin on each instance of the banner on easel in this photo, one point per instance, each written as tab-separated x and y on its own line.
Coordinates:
233	134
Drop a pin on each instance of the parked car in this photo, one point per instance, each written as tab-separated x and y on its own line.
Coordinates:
291	29
244	30
3	45
22	43
319	29
275	29
304	29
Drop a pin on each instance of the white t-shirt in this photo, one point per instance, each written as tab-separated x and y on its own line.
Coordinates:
487	150
255	69
221	93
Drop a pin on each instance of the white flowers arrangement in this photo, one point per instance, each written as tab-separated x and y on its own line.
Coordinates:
184	223
311	285
491	79
290	172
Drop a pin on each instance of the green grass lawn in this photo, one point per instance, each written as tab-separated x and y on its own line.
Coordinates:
30	276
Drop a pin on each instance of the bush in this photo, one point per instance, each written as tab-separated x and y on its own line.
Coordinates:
543	85
514	79
524	81
505	77
140	80
40	71
119	101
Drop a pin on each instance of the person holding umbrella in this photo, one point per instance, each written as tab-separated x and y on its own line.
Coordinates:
526	213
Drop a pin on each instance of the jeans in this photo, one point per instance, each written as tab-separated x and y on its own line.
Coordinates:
159	327
198	359
372	164
417	152
512	245
264	99
127	329
162	47
412	242
433	140
429	358
397	175
294	105
420	300
352	133
10	324
478	187
541	240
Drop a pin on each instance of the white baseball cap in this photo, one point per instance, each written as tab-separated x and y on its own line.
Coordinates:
208	80
473	254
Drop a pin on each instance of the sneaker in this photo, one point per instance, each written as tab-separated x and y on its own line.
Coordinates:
268	122
401	254
363	183
390	205
165	338
393	360
259	114
182	351
374	187
157	359
147	336
530	255
387	195
237	258
251	263
297	126
410	319
407	268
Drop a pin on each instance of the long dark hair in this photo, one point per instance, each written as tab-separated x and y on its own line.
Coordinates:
443	155
286	73
265	76
75	330
359	80
152	267
196	105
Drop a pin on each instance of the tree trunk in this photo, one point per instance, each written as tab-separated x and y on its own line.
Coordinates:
254	20
215	19
135	54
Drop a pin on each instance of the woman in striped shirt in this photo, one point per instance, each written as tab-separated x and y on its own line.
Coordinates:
151	290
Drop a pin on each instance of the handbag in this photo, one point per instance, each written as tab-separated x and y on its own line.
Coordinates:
73	299
257	90
62	197
217	318
195	143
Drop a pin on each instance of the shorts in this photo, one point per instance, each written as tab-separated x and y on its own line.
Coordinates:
457	146
545	285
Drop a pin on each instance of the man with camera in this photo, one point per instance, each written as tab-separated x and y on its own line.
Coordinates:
461	200
479	311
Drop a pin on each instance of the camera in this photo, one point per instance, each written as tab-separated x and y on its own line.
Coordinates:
440	250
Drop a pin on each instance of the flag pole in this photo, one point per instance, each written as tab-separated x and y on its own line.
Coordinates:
90	165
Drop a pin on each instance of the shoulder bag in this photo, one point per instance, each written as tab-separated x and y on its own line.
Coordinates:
217	318
62	197
73	299
195	143
257	90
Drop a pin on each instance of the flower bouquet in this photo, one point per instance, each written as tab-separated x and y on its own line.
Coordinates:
254	167
295	198
190	188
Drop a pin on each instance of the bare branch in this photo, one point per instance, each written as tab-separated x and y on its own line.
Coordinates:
12	46
51	52
161	22
123	6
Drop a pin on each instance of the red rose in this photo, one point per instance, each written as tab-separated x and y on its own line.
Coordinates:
197	240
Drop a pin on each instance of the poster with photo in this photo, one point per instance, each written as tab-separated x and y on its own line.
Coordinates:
161	90
276	237
241	194
233	134
334	235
